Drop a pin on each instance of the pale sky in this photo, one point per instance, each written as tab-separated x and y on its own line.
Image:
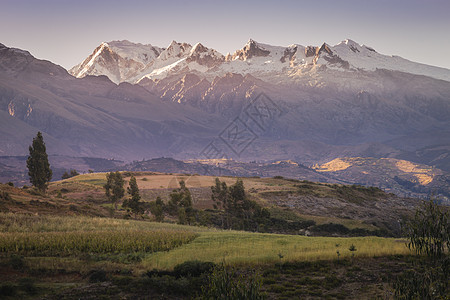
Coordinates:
67	31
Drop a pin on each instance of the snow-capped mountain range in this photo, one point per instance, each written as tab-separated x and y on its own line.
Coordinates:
123	61
130	101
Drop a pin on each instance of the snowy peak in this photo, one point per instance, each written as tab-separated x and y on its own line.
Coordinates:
251	49
349	55
175	50
135	51
326	56
205	56
119	60
198	48
126	61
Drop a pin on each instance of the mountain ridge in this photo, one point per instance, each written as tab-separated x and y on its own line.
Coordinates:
315	116
290	61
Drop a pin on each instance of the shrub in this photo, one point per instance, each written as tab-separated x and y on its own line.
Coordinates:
429	231
331	228
193	268
226	284
27	285
7	290
97	276
16	262
5	196
429	234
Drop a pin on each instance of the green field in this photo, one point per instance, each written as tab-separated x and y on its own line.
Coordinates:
165	245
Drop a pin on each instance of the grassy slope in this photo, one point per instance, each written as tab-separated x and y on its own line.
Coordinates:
352	207
233	247
83	200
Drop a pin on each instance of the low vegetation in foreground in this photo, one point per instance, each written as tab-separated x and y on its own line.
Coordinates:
75	242
58	254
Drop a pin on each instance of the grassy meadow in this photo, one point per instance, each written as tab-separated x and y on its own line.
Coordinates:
71	244
164	245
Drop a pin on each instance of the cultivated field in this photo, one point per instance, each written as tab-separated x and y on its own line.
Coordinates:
163	246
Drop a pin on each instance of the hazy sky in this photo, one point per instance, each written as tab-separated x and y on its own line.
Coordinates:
67	31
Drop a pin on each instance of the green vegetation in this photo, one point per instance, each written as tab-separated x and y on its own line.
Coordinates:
157	209
71	173
244	248
235	247
114	187
224	284
236	210
429	235
180	204
429	231
38	165
134	202
51	240
71	243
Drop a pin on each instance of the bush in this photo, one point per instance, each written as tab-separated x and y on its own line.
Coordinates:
5	196
429	231
331	228
27	285
34	192
429	234
97	276
169	284
16	262
7	290
226	284
193	268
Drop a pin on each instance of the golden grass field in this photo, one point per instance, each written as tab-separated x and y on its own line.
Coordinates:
196	243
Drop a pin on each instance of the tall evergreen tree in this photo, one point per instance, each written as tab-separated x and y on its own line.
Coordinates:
157	209
38	165
220	195
133	203
114	187
180	203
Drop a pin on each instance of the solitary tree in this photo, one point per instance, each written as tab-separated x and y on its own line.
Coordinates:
114	187
221	197
133	203
157	209
429	231
429	235
181	203
38	165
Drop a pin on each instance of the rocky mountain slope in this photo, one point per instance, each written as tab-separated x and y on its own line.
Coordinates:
91	116
306	104
124	61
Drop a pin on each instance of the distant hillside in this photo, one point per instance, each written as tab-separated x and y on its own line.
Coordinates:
400	177
295	206
308	104
392	175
